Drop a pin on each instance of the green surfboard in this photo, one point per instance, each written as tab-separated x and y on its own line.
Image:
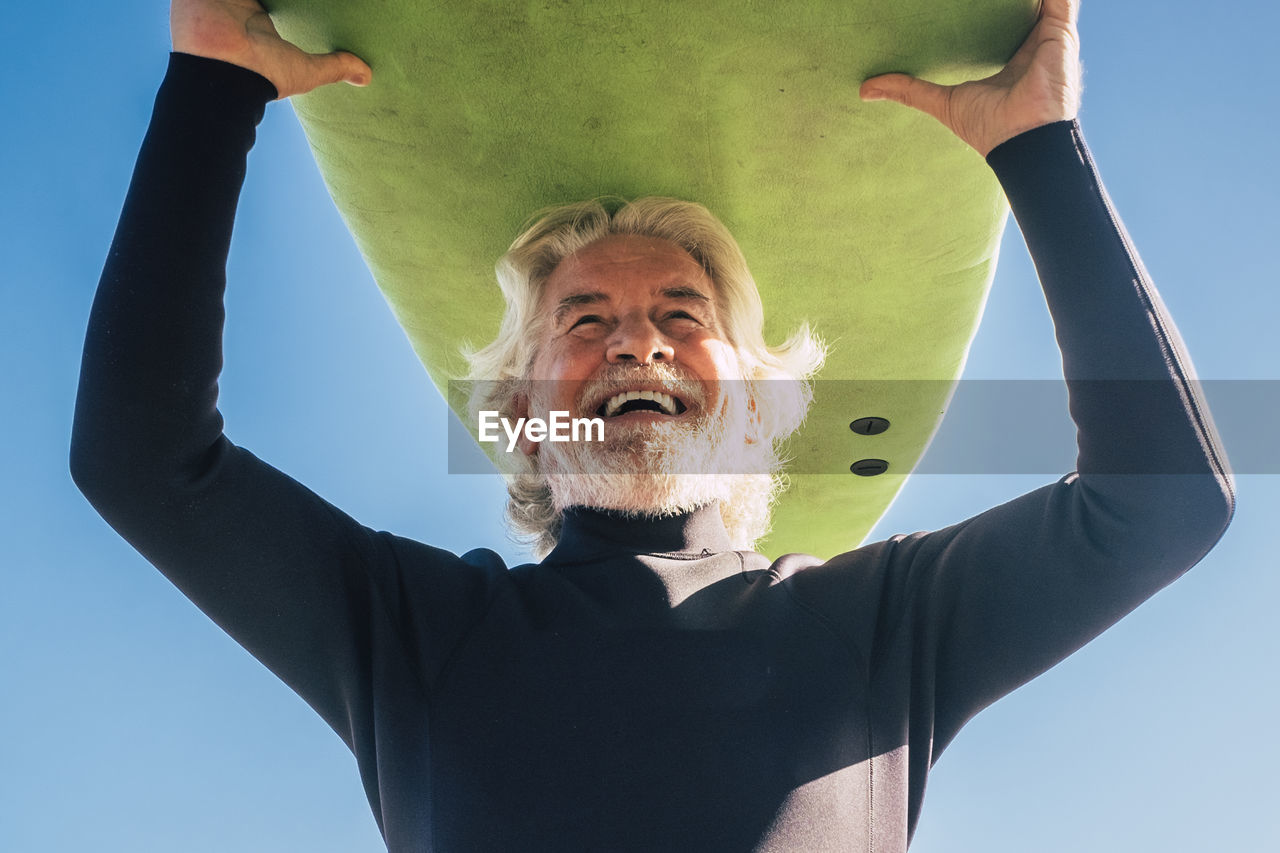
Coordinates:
871	221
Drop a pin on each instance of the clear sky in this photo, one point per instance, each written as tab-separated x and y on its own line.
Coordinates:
134	724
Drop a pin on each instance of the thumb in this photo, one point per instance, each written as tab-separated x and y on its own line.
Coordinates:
340	67
909	91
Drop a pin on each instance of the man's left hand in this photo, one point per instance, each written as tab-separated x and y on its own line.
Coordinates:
1040	85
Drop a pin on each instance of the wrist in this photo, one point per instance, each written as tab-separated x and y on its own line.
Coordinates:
210	97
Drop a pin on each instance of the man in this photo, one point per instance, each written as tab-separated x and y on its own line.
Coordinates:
651	684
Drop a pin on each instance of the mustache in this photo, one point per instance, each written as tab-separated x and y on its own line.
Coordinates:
666	378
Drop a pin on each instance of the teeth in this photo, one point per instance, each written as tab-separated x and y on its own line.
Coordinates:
666	401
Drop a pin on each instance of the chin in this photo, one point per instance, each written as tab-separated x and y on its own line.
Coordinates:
663	468
649	472
641	495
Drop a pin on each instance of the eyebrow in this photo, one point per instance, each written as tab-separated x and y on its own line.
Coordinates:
685	292
573	300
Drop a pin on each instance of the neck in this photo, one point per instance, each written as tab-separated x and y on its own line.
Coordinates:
588	530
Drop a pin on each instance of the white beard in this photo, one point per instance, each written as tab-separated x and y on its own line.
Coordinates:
646	475
656	469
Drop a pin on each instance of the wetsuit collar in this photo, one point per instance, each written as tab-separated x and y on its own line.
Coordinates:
588	530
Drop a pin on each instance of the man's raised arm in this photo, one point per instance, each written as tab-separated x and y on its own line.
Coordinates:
302	586
989	603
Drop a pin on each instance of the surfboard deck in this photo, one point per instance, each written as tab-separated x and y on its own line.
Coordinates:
871	221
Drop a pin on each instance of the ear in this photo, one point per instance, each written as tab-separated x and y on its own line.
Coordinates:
521	410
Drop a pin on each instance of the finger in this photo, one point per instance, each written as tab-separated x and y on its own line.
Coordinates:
341	67
1061	10
908	91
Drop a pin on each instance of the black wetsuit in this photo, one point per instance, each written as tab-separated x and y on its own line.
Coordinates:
644	687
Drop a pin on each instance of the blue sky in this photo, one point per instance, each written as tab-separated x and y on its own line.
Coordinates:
135	725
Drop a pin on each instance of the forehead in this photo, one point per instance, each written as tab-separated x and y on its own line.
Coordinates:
625	265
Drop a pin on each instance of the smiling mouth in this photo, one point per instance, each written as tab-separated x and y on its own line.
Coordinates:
641	401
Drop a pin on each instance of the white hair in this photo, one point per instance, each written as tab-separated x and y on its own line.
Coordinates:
502	369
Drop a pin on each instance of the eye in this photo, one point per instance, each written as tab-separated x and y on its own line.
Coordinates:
588	327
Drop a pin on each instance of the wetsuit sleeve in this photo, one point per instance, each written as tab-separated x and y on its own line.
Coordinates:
327	604
946	622
990	603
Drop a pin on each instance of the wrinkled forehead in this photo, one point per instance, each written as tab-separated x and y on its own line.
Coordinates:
624	266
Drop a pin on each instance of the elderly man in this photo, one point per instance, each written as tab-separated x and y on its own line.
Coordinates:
651	684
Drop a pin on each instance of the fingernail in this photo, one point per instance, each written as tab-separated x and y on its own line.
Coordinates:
873	95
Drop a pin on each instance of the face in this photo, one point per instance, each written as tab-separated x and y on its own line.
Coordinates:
636	314
621	312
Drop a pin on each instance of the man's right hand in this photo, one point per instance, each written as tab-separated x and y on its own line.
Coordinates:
241	32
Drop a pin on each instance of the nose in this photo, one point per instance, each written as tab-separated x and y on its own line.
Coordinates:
636	339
